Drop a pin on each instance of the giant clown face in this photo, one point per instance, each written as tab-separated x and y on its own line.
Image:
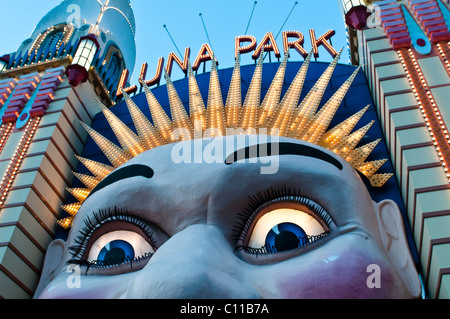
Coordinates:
160	227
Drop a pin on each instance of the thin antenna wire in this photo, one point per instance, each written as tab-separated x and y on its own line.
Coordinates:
284	23
295	4
251	16
206	31
165	27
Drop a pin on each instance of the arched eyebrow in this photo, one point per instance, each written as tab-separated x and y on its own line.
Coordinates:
277	149
124	173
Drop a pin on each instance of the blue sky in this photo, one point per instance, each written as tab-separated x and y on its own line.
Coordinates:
224	21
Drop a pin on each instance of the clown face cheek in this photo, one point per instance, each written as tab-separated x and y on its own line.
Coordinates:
84	287
346	273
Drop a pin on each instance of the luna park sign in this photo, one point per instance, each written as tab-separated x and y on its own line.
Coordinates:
243	44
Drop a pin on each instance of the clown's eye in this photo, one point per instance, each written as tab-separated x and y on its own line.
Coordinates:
285	229
117	247
114	242
283	224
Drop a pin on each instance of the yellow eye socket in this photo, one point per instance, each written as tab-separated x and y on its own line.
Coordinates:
285	224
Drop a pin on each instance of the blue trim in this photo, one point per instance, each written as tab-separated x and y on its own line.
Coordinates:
5	106
26	110
445	13
416	34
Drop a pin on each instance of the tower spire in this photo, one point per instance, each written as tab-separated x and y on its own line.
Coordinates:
94	29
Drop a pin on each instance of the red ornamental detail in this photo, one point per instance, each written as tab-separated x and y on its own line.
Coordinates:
20	97
45	95
76	74
394	25
430	17
356	17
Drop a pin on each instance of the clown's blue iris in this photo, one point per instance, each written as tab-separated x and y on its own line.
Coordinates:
285	236
116	251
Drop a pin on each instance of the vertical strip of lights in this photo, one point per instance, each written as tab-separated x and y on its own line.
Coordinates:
5	132
6	89
17	158
428	107
444	52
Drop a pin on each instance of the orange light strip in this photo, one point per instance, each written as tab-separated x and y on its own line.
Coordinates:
297	44
444	52
428	107
322	40
205	54
5	132
267	44
157	78
245	49
122	85
182	64
17	158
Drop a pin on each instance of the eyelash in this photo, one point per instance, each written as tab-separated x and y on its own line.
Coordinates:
240	229
78	250
274	195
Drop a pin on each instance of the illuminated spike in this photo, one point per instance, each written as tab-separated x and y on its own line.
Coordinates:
180	119
334	137
319	124
234	100
79	193
98	169
129	141
148	135
65	223
72	209
352	141
308	107
160	119
115	154
197	109
283	117
378	180
360	154
250	109
216	113
88	181
370	168
273	95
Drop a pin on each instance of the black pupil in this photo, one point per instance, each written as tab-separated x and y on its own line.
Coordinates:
116	255
286	240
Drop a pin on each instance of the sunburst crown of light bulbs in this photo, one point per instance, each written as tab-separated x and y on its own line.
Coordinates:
286	117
